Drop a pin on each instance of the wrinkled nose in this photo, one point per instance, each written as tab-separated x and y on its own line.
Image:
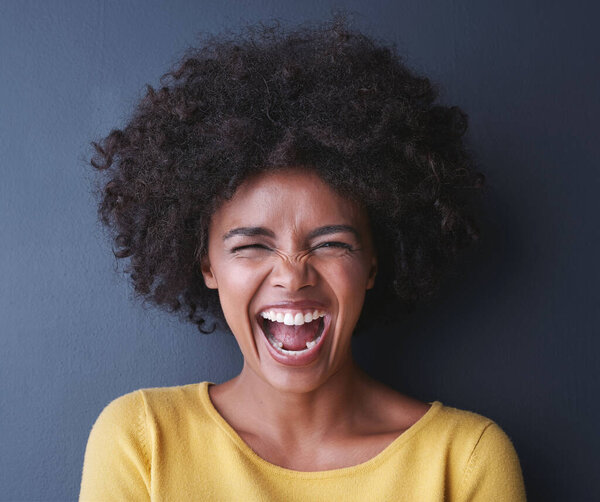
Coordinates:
293	274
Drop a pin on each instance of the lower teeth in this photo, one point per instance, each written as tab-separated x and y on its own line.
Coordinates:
279	345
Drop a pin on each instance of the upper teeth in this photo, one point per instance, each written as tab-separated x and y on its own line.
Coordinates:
292	318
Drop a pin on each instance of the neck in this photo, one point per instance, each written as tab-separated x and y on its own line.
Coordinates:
296	416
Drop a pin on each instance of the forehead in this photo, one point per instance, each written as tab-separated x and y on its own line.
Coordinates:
292	196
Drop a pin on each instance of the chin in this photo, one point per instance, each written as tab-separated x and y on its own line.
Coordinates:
297	379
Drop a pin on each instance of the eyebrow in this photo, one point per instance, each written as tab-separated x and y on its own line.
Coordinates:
317	232
248	232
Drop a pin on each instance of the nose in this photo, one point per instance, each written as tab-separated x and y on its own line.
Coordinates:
293	274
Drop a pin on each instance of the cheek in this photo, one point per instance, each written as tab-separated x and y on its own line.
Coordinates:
347	280
237	287
241	277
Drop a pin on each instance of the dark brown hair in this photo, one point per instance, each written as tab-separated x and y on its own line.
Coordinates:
322	96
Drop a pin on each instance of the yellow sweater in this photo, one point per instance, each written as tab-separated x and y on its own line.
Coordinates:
171	444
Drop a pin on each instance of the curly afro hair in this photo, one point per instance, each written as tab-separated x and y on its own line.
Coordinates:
323	96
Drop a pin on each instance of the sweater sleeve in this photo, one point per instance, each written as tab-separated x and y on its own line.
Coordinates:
493	471
117	461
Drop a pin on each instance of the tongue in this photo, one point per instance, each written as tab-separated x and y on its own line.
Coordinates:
293	337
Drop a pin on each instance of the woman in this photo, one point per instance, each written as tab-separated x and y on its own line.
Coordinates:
291	184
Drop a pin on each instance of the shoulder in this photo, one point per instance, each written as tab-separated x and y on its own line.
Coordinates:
481	454
123	413
464	432
468	429
128	418
458	423
118	455
147	402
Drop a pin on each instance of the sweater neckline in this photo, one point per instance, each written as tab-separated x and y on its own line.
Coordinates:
367	465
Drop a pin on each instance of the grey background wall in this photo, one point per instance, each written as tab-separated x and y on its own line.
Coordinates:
514	335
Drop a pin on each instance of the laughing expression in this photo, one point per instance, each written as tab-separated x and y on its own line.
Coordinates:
291	260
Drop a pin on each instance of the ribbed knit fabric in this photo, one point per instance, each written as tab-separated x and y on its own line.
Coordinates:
171	444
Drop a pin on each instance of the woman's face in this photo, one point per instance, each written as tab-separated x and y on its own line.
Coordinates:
291	260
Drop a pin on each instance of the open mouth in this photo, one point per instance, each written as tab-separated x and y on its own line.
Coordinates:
294	337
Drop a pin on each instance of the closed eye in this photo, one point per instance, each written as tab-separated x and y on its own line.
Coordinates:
249	246
334	244
324	245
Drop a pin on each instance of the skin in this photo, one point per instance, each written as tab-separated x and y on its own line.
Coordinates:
326	414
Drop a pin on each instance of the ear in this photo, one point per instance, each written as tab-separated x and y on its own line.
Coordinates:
372	273
207	272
